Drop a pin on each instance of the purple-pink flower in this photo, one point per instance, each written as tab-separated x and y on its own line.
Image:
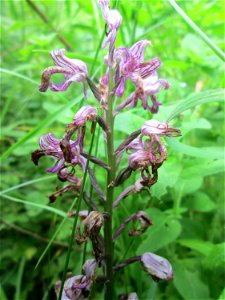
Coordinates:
74	70
86	113
50	146
157	266
146	153
113	20
153	127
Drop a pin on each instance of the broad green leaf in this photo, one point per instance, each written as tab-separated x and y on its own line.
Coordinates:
189	284
189	184
205	168
194	151
197	245
2	294
164	231
165	181
128	122
200	202
195	99
222	295
216	258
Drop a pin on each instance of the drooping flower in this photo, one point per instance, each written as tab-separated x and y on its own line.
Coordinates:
146	153
74	70
50	146
86	113
153	127
157	266
78	287
113	20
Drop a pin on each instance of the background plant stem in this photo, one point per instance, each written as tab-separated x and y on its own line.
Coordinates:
109	197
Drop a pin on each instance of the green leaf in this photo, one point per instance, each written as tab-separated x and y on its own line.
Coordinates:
203	167
194	151
164	231
216	258
195	99
200	202
197	245
2	294
222	295
165	181
189	284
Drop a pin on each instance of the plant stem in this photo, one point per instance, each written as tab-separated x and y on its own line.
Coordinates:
109	196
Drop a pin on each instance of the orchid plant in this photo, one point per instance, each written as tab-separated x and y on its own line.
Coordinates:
146	154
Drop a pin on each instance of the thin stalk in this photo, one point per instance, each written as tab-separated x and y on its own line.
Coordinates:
76	217
109	196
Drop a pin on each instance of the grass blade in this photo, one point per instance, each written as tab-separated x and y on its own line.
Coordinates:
202	35
45	207
27	183
54	236
19	278
193	100
46	122
19	76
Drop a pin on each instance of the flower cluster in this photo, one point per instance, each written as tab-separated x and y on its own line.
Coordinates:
144	147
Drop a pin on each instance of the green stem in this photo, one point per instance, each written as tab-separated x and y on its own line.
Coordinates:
109	196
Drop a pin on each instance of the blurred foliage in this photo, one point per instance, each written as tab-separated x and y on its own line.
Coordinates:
186	205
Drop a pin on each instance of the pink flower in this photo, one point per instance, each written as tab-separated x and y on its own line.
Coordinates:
113	20
74	70
153	127
146	153
86	113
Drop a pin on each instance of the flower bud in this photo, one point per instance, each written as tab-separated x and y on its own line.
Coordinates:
157	266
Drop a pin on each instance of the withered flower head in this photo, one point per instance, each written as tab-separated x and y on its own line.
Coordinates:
92	225
157	266
144	222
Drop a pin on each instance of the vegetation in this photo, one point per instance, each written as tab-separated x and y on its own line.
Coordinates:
186	205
